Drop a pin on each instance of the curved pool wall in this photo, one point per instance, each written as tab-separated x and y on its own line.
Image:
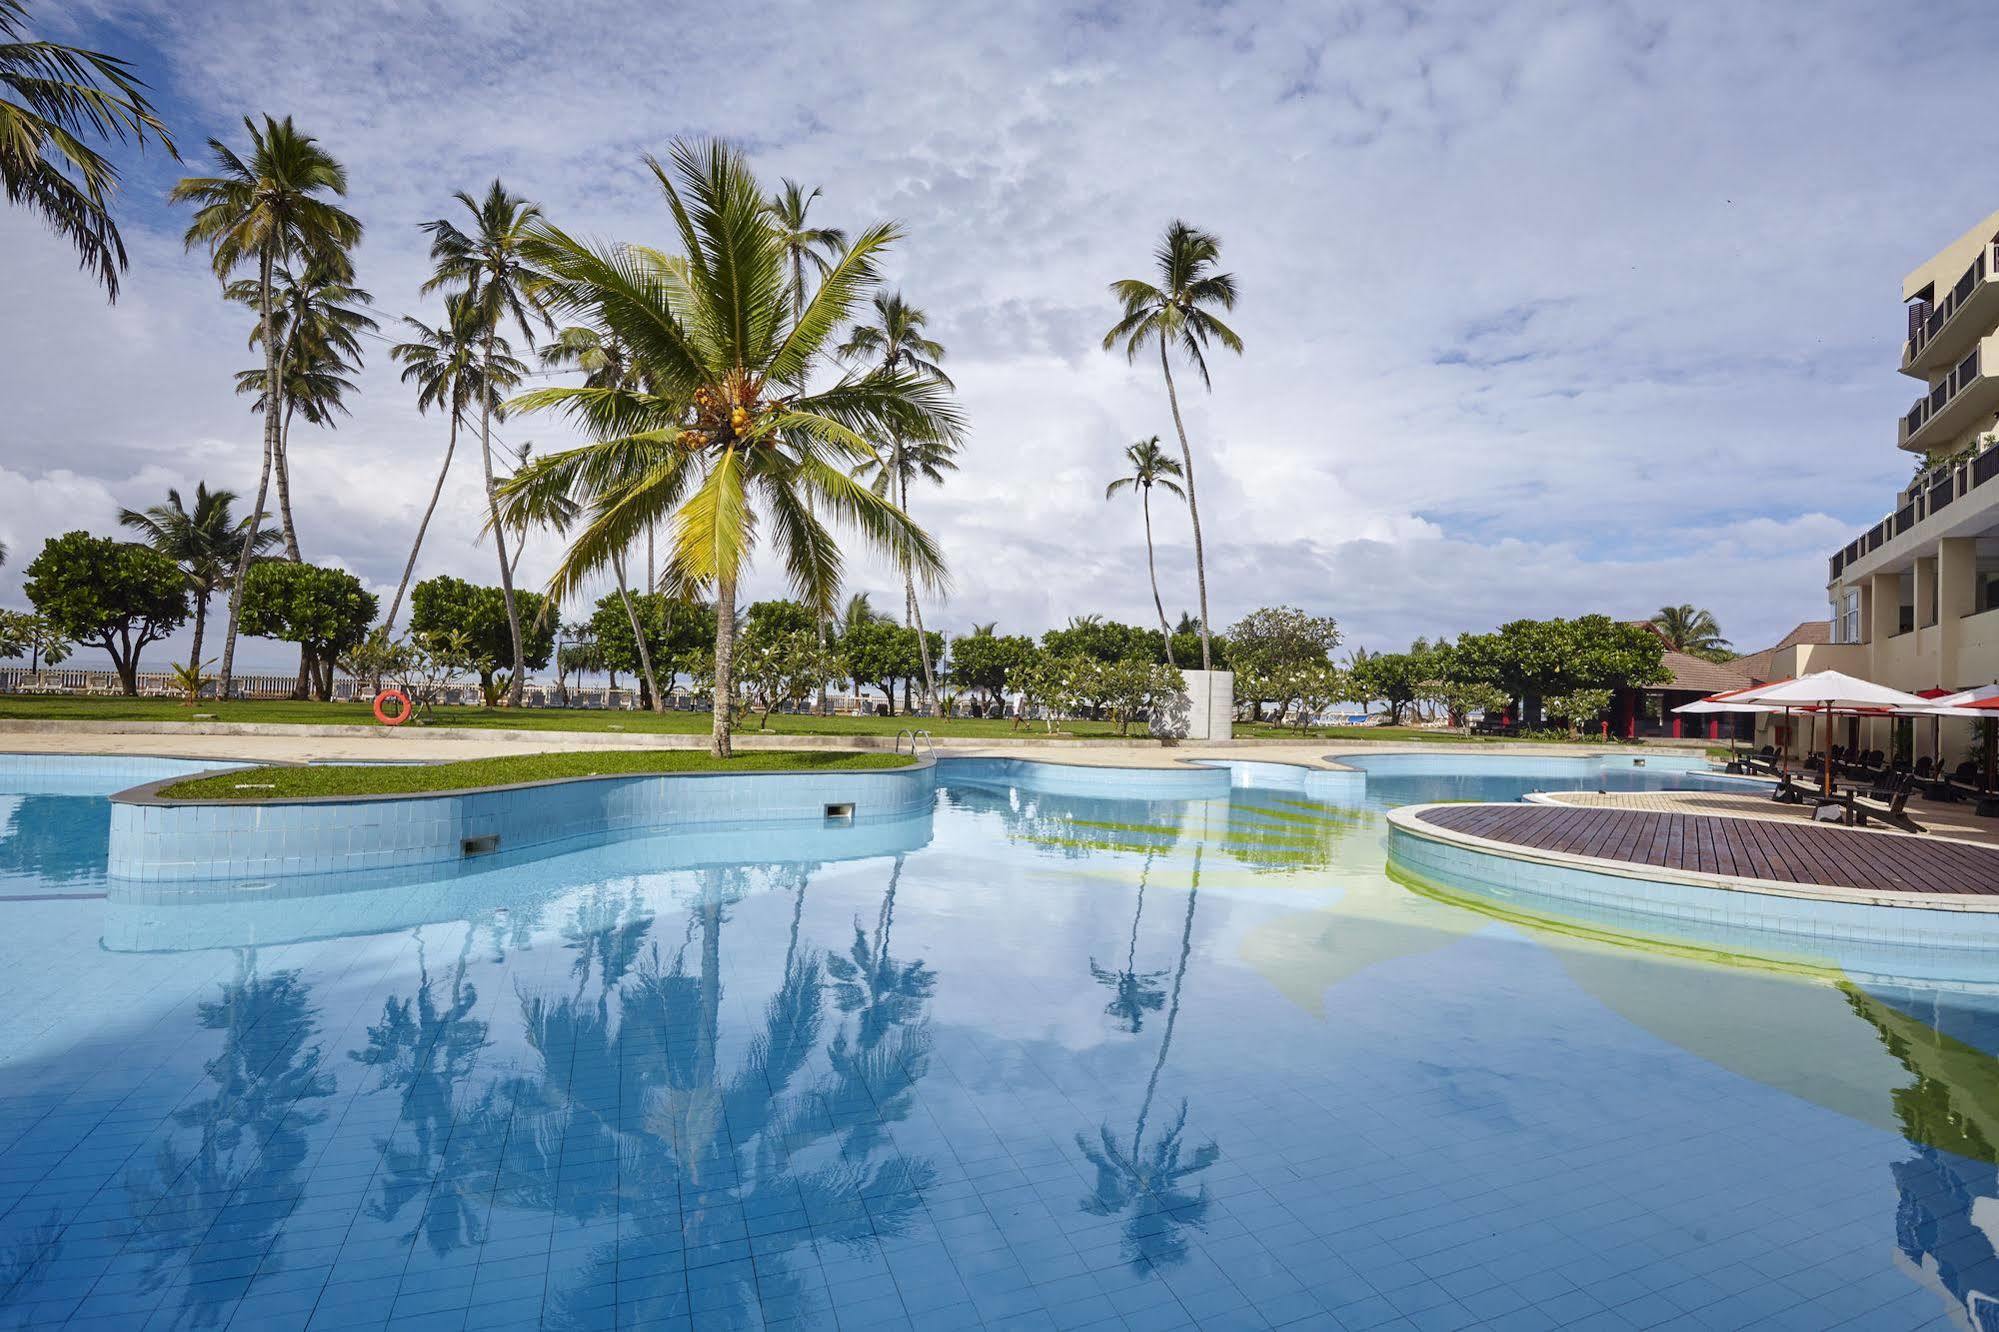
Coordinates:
155	841
96	774
1918	943
1186	782
190	916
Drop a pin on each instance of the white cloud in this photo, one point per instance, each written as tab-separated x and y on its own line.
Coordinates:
1547	309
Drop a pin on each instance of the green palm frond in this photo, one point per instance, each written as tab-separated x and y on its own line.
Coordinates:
53	97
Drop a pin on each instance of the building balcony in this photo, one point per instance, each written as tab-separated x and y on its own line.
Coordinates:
1959	495
1962	399
1941	333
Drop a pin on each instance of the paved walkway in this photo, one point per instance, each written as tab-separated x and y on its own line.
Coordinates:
272	742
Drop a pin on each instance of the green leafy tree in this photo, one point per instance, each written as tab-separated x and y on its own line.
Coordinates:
896	344
1579	707
1395	678
444	604
781	664
883	653
264	210
1693	630
721	450
24	634
986	662
455	367
1150	467
116	595
52	99
1178	311
325	611
1269	645
675	632
1461	698
1130	689
1103	640
1532	660
1054	685
489	267
206	542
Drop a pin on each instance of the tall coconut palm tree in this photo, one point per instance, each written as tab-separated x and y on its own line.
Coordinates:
206	542
320	318
451	368
805	244
1689	629
895	342
719	448
263	210
1178	311
487	266
52	98
1150	466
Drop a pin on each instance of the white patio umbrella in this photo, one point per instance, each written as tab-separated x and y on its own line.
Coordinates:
1724	702
1829	692
1979	704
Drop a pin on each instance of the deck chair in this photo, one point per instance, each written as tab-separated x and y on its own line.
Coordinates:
1890	812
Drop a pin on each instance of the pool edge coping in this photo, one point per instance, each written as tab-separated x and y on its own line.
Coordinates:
1406	819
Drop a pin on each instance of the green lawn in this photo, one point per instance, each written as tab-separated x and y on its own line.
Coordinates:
284	712
393	779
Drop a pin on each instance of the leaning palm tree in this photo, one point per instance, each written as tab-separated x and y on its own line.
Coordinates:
487	266
805	244
1178	311
321	320
895	342
267	209
718	447
1689	629
206	542
53	97
1150	467
451	370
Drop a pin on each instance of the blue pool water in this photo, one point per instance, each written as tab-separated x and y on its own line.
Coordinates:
1027	1060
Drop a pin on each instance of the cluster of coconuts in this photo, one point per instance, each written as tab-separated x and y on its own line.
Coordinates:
716	417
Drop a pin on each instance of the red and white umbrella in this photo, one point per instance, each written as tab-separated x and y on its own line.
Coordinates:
1827	692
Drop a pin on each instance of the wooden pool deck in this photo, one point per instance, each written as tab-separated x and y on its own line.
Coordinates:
1773	846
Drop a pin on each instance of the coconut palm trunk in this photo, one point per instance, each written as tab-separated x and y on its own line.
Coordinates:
200	626
273	390
909	587
515	685
281	475
409	565
638	636
725	665
1193	508
1152	567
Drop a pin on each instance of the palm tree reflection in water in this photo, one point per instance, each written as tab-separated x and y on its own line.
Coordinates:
1151	1183
637	1119
1134	993
426	1052
251	1135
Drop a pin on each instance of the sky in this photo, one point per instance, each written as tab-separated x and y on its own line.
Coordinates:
1547	308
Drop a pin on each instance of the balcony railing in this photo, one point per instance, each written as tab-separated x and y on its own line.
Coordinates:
1930	492
1927	320
1940	395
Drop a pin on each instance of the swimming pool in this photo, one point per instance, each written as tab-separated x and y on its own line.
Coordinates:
1038	1055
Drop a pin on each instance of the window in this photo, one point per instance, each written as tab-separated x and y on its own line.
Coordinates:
1848	629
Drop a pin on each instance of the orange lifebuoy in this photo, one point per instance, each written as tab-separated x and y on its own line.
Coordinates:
401	716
